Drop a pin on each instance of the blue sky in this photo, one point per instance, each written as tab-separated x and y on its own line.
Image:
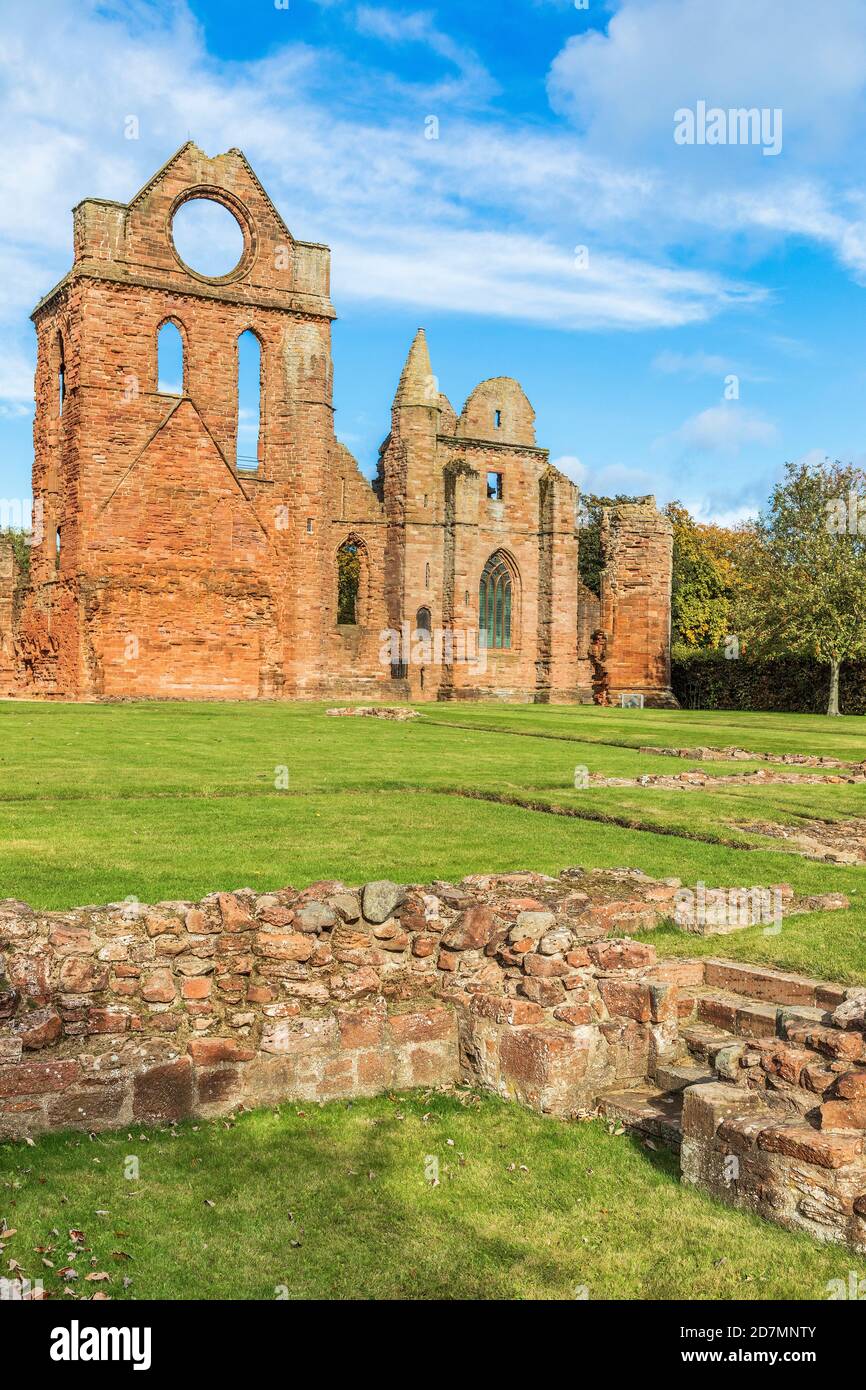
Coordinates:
555	131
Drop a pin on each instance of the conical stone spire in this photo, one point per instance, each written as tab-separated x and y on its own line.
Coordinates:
418	385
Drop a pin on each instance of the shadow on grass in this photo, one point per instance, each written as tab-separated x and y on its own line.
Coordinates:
336	1202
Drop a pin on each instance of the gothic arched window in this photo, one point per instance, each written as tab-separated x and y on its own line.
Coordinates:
170	373
495	602
249	421
352	583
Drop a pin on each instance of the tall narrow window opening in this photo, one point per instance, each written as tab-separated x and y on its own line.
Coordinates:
495	601
249	432
352	582
61	376
169	360
494	487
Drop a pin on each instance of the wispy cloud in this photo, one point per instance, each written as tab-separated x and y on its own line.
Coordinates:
721	429
473	82
697	364
465	223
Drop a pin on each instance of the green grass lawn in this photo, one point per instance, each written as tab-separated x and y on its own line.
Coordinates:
100	802
333	1202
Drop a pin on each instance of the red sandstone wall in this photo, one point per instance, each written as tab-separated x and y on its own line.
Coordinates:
179	575
129	1011
8	583
211	577
635	601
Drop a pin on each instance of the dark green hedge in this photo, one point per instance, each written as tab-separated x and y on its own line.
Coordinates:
708	680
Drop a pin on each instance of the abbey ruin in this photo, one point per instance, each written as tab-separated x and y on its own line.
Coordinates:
161	565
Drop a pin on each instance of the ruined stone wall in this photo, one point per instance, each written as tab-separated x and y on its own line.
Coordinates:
8	585
352	664
159	1012
528	985
588	622
435	471
635	601
183	573
165	569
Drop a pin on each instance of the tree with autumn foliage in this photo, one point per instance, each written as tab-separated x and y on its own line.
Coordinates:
804	584
705	593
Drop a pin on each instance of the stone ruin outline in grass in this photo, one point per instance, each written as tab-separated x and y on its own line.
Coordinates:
523	984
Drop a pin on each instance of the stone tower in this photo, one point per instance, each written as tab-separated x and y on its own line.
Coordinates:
165	565
164	568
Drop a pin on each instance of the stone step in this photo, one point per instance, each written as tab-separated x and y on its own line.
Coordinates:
749	1018
744	1018
802	1054
838	1044
705	1042
771	986
675	1076
648	1111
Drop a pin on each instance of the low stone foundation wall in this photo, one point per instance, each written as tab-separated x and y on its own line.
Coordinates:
521	983
153	1013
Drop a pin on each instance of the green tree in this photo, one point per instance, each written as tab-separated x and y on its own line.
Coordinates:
20	547
702	590
805	583
590	552
348	582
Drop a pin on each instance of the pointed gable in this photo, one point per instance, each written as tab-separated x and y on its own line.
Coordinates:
134	239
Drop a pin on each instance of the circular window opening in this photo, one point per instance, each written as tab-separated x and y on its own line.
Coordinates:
207	237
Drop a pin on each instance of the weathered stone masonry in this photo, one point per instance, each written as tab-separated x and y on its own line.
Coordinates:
162	569
524	984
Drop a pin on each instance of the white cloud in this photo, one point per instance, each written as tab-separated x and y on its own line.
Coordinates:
719	514
16	380
572	467
464	223
668	54
721	429
610	479
473	81
519	276
697	364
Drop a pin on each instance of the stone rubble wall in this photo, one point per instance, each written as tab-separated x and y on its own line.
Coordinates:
152	1013
525	984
